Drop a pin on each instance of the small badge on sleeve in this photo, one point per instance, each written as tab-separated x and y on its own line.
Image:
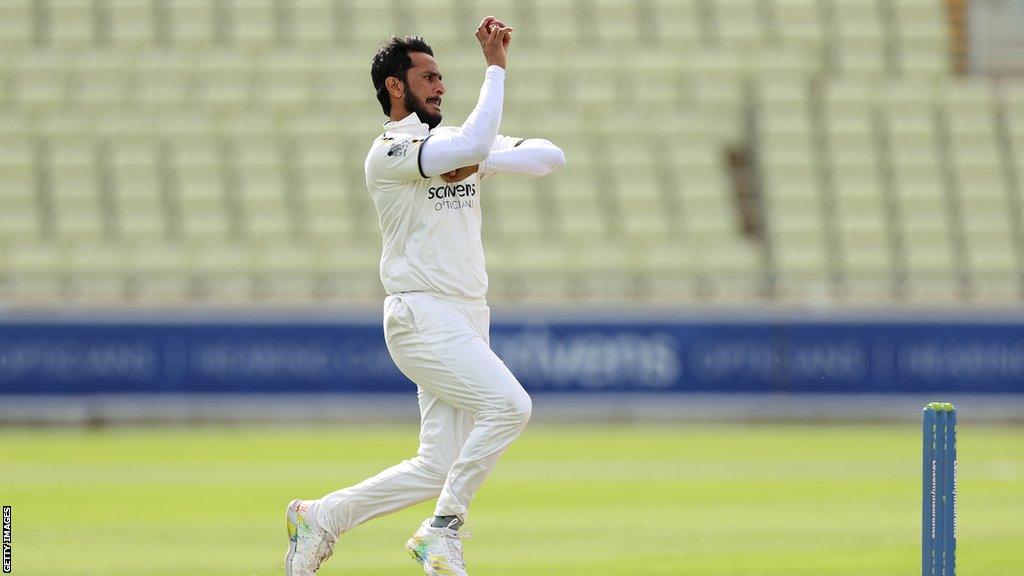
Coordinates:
399	149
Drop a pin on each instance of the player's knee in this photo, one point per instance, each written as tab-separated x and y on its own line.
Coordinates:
513	409
520	408
435	465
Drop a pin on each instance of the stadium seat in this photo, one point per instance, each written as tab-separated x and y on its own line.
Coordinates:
739	24
678	23
19	221
282	272
40	79
315	23
101	80
161	79
561	25
285	80
721	92
443	23
97	273
72	166
35	272
667	272
255	24
224	80
17	25
350	272
537	271
601	268
17	170
130	24
583	217
145	221
728	268
72	24
159	273
221	272
192	23
621	23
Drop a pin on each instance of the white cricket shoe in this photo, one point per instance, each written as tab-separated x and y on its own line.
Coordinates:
308	544
438	550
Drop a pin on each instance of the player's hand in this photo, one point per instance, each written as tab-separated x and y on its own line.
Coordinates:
494	37
460	174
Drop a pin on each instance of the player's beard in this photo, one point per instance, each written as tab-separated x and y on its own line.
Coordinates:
429	118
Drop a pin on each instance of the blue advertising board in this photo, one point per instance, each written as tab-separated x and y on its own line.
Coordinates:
561	355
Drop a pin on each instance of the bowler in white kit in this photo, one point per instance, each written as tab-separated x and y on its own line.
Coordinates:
425	181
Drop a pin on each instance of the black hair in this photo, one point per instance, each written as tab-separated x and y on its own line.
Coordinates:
392	59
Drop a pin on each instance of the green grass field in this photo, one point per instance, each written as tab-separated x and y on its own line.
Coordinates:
566	501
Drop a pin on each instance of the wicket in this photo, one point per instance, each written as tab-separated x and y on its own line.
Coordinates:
938	503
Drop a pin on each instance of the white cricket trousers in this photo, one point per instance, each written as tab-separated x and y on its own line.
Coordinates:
471	409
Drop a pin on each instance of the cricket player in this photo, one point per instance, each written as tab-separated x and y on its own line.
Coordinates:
425	181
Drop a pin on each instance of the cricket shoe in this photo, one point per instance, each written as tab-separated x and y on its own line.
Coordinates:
438	550
308	544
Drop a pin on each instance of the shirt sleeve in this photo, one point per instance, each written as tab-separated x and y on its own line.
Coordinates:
470	143
529	157
396	160
506	143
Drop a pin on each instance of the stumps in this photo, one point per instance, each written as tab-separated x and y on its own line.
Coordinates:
938	506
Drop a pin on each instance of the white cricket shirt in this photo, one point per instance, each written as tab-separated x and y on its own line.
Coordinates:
431	229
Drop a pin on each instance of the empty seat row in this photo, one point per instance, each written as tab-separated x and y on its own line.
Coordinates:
893	188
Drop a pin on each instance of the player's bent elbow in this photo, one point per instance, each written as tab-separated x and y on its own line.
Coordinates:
477	153
554	159
558	159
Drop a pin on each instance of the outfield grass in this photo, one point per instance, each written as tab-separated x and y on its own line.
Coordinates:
566	501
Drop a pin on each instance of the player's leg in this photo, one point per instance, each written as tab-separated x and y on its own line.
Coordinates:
443	430
315	525
452	359
501	413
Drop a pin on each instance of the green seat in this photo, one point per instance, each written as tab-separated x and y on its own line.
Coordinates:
192	23
16	24
19	222
35	272
72	24
75	220
132	24
254	24
581	217
161	78
285	272
316	23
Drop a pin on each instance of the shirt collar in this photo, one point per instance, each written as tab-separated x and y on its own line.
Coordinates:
409	125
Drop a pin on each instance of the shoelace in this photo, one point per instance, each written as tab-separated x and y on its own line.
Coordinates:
453	545
320	554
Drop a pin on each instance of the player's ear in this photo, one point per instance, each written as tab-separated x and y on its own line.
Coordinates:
394	86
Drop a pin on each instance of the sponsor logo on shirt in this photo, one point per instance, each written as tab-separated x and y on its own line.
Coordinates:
452	196
451	191
452	205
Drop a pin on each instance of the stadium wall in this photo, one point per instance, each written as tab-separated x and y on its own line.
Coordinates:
594	354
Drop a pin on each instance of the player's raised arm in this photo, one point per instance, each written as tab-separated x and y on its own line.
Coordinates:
471	143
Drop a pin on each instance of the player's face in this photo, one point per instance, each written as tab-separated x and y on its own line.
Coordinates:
424	89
